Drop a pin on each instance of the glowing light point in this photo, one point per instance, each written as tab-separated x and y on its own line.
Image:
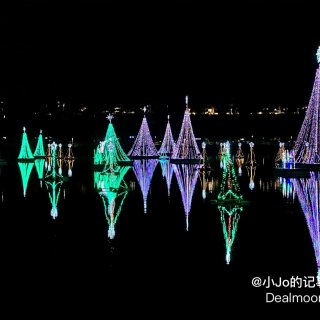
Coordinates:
228	258
187	99
144	109
24	129
318	54
110	117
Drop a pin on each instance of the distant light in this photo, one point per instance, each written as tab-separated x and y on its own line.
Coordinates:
318	54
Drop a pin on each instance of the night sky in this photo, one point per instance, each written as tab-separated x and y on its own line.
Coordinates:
252	53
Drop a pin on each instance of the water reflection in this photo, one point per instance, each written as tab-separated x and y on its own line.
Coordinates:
25	170
251	165
187	175
167	172
308	192
143	170
113	190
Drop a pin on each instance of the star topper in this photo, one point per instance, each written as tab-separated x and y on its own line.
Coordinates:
318	54
144	109
110	117
24	129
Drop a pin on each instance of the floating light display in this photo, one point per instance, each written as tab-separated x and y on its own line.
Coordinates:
39	164
25	151
168	144
239	159
25	170
308	192
186	147
143	170
187	175
143	146
39	152
69	154
251	166
306	148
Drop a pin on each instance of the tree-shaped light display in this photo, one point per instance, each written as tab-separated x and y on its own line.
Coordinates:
251	166
167	172
53	182
39	164
239	159
143	146
229	187
186	147
25	170
143	170
306	149
39	152
229	216
308	191
168	144
187	175
25	151
113	190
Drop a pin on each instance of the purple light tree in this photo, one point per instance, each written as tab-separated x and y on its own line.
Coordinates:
168	144
306	149
186	147
308	191
187	175
143	146
143	170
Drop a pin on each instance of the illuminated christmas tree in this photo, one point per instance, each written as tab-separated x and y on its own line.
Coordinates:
306	149
229	187
25	170
113	153
308	191
143	170
113	190
39	152
187	175
186	148
25	151
168	144
239	159
143	146
229	216
69	154
251	166
167	172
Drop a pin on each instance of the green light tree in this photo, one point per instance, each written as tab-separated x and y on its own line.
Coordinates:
25	151
39	152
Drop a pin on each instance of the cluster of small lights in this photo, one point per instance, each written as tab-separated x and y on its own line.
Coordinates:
168	144
143	146
186	146
307	148
187	176
308	192
143	170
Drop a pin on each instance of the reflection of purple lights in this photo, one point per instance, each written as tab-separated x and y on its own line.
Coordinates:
187	175
144	169
307	144
143	146
167	173
308	191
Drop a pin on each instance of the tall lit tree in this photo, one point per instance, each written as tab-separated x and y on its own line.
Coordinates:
143	146
25	151
39	152
307	145
186	147
168	144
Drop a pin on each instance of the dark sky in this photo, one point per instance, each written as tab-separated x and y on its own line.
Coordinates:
248	52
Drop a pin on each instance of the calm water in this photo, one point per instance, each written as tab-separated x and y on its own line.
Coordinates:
152	258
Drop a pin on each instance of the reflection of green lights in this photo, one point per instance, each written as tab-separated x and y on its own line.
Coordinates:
39	152
230	226
113	191
40	167
54	188
25	170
